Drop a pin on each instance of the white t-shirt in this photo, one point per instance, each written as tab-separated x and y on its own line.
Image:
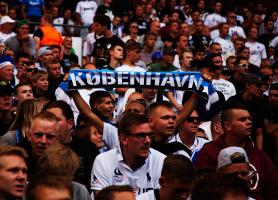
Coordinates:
212	20
237	30
127	68
87	10
257	52
4	37
196	146
274	43
226	87
90	43
110	136
109	168
146	196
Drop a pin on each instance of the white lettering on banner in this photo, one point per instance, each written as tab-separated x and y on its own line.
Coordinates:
76	78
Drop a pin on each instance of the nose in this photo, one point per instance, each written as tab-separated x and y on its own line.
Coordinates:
43	139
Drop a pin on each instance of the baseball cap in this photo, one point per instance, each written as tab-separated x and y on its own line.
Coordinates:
169	51
6	60
6	19
156	55
231	155
5	88
44	50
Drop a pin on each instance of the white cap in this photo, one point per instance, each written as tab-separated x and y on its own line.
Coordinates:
6	19
231	155
43	50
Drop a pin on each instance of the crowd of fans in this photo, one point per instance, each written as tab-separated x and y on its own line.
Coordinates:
138	143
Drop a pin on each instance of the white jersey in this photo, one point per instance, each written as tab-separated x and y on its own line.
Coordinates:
127	68
109	168
4	36
257	52
196	146
212	20
274	43
87	10
146	196
110	136
225	87
237	30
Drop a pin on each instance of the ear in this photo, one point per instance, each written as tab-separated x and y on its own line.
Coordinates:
151	121
227	126
162	182
123	139
70	123
28	135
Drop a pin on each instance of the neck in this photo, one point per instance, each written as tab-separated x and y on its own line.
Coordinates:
187	138
160	138
114	63
133	36
246	96
132	162
66	51
129	63
231	140
179	50
148	49
108	34
251	40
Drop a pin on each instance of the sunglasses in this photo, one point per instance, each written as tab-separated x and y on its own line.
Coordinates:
243	65
141	135
192	119
31	69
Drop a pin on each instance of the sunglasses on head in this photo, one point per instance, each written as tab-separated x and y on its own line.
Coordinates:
192	119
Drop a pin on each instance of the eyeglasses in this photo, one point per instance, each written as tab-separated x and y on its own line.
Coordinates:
31	69
134	26
192	119
141	135
243	65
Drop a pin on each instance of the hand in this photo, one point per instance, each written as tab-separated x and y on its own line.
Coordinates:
207	77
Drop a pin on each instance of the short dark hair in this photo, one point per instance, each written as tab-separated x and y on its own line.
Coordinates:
19	85
228	107
128	120
132	45
65	108
108	192
172	166
273	86
164	104
103	20
97	97
7	150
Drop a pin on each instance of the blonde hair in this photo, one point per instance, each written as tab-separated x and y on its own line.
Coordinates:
25	113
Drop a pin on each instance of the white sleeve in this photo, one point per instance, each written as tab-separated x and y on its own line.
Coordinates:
110	136
99	175
274	42
263	52
78	8
208	21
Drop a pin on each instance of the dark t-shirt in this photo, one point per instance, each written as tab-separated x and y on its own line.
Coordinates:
87	153
102	47
69	60
38	33
4	127
199	41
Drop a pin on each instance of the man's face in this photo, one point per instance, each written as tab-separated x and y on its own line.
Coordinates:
24	92
7	73
65	125
133	28
150	42
268	74
135	107
175	189
13	177
68	42
183	42
116	21
216	49
241	123
240	169
184	28
195	16
47	193
117	52
42	135
135	55
155	27
54	70
190	126
273	98
163	121
200	55
245	54
217	7
187	58
23	29
137	142
149	93
21	63
224	31
238	44
106	107
253	33
46	58
199	27
242	67
6	101
231	18
56	53
42	83
217	61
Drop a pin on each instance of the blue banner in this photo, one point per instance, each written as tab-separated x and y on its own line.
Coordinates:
162	80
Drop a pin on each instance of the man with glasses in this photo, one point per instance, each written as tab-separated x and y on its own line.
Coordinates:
187	135
237	125
133	162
